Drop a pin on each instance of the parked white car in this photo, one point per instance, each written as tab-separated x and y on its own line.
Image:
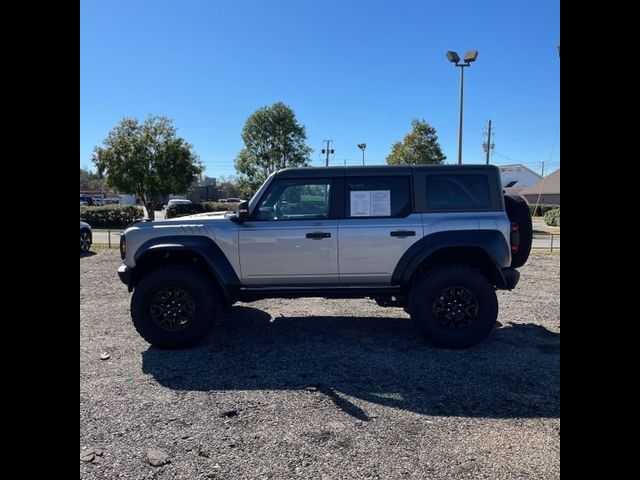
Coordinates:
177	201
85	236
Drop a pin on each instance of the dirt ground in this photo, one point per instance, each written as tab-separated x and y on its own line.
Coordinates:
320	389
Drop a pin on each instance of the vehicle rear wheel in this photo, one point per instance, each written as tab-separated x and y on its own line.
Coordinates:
85	240
518	212
454	306
174	306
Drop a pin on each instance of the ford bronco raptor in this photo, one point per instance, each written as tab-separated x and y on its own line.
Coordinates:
435	240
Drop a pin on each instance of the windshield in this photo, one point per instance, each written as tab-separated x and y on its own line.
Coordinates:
258	194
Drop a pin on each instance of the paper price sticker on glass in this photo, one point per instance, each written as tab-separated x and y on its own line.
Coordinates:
371	203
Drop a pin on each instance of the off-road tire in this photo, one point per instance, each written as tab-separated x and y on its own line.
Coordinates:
198	294
518	212
429	317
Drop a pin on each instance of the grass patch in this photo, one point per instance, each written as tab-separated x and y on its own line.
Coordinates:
547	229
544	251
544	228
105	246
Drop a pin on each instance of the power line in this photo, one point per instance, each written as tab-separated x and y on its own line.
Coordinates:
540	165
512	159
522	163
555	139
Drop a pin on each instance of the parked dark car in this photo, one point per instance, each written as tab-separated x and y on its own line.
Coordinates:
88	200
85	236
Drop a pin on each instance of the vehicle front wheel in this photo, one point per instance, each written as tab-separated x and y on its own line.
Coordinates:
174	306
454	306
85	240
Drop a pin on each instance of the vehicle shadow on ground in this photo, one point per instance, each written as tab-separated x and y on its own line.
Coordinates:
87	254
514	373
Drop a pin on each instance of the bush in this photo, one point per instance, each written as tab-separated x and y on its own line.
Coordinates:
182	209
552	217
111	216
218	207
540	210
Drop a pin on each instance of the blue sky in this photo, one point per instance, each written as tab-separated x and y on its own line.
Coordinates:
353	71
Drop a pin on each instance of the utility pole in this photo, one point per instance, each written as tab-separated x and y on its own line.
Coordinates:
488	146
327	151
543	168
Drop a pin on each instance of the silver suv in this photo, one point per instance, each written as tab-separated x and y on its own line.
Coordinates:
434	240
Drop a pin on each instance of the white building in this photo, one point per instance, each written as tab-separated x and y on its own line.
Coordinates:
517	177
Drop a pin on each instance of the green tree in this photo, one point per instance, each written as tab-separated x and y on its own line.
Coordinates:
227	187
90	180
147	160
419	147
273	139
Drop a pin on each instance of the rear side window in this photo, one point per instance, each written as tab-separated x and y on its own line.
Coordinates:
458	192
377	197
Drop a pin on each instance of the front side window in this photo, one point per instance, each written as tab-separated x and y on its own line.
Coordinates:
295	200
458	192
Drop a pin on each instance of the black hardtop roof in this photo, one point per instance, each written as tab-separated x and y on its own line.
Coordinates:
381	170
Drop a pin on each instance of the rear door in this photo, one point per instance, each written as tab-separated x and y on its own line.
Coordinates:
378	227
291	238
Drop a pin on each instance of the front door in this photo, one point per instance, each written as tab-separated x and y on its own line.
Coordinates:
290	238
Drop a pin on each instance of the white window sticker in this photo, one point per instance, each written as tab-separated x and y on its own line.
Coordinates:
371	203
381	203
361	204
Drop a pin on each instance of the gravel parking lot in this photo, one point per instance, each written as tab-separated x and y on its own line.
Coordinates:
320	389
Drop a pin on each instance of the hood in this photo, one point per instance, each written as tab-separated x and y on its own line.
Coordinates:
196	216
208	215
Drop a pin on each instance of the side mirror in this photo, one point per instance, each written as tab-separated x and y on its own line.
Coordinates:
242	212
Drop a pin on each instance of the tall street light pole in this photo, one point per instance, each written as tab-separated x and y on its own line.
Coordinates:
469	58
362	146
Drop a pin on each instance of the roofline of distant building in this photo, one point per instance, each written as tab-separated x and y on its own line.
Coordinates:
519	165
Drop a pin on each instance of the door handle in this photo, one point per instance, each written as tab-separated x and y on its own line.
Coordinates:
403	233
318	235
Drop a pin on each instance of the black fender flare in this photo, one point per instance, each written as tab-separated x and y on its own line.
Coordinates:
215	260
492	242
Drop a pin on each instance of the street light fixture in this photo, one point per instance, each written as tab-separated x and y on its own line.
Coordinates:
454	58
362	146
